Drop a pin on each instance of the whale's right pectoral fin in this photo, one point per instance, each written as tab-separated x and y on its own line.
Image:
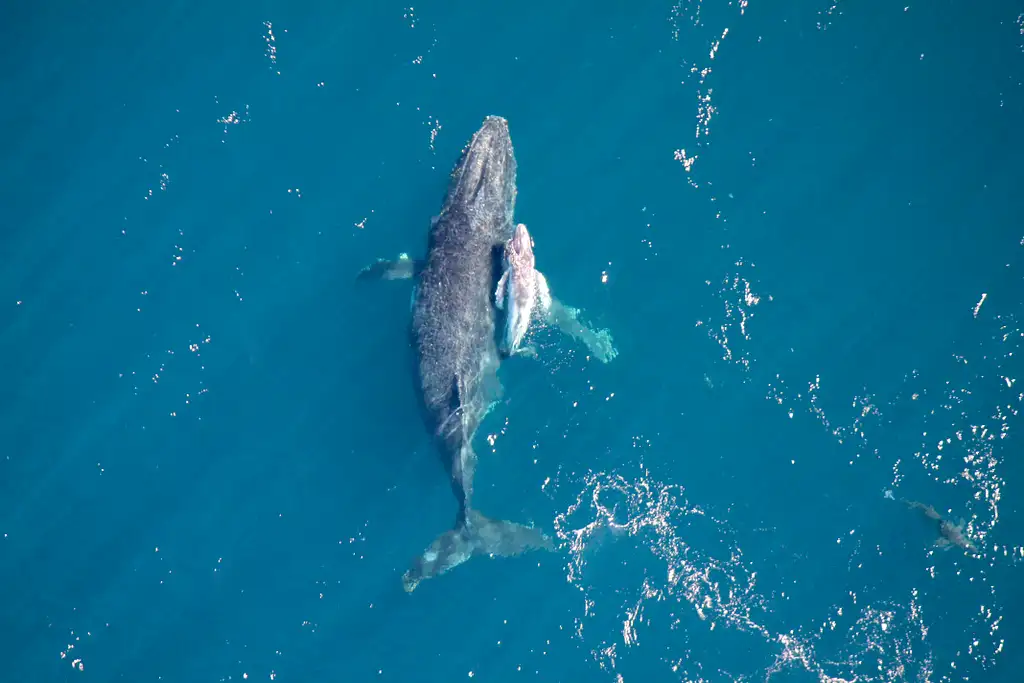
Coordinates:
598	342
499	291
402	268
943	543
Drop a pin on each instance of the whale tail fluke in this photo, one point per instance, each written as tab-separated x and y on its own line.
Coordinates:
474	534
503	538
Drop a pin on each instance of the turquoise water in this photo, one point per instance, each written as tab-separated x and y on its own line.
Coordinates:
804	236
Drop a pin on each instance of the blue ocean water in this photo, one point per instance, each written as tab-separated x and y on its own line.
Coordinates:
799	223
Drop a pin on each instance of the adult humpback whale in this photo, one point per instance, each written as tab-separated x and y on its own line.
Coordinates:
950	534
453	332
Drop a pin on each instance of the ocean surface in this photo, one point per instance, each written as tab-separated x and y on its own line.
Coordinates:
800	222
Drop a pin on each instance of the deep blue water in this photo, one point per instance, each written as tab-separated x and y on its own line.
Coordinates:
213	467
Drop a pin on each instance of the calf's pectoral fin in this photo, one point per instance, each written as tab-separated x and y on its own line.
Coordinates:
543	293
499	291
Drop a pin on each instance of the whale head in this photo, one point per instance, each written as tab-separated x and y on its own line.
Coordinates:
519	249
484	181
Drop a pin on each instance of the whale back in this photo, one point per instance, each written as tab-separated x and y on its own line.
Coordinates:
453	314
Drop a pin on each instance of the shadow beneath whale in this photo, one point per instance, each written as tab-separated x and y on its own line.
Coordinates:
500	315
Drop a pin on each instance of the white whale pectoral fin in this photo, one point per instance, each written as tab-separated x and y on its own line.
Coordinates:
499	291
402	268
567	319
942	543
543	294
434	220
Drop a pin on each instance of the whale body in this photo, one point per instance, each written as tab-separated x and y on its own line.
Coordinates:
453	334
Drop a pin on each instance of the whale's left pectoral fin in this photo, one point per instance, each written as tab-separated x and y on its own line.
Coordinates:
402	268
942	543
598	342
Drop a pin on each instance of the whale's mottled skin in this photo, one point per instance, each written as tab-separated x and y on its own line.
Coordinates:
453	333
520	290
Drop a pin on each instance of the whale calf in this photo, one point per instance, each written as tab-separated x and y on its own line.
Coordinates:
523	295
520	289
453	334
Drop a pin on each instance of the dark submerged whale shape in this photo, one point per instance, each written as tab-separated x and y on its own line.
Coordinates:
950	534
